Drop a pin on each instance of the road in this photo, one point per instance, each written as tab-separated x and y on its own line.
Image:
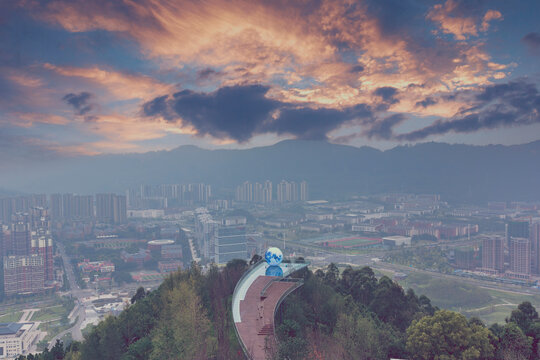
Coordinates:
78	294
75	330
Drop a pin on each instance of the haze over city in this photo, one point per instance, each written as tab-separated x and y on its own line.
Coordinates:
230	179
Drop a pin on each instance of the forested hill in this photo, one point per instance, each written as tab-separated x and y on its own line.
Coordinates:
458	172
352	315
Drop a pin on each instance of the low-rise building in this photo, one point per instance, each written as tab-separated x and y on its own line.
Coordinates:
15	339
169	266
171	252
397	240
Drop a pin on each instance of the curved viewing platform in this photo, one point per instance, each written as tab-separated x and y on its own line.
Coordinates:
255	301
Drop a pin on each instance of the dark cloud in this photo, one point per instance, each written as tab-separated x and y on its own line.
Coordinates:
383	129
240	112
206	73
426	102
387	94
356	69
516	103
315	124
230	112
158	106
532	40
80	102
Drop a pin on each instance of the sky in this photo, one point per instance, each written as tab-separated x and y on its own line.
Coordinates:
82	77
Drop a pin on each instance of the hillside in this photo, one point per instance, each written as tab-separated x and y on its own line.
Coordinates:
352	315
458	172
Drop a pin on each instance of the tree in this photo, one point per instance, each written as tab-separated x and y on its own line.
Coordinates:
360	284
523	316
360	338
57	351
255	259
447	335
140	294
182	334
513	343
332	274
390	303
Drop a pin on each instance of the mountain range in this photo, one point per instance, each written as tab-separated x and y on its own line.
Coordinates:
462	173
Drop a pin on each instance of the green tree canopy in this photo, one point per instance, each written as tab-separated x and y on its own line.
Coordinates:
447	336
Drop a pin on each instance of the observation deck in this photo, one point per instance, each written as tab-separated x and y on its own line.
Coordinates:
255	301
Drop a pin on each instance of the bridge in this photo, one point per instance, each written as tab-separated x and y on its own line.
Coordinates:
256	299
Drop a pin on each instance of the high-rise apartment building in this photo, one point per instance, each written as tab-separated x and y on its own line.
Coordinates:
493	253
84	206
71	207
244	192
259	193
520	256
119	210
19	241
2	253
67	206
534	237
230	243
267	192
23	274
56	206
11	206
517	228
304	191
41	240
205	229
111	208
287	191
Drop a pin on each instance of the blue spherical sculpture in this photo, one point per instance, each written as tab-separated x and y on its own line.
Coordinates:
273	256
274	270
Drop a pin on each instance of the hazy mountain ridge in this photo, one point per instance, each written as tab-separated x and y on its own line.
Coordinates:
461	172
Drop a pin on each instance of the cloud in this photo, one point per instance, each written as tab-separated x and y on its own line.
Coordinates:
426	102
206	73
230	112
387	94
80	102
462	18
122	85
489	16
315	124
532	40
241	112
383	129
300	69
516	103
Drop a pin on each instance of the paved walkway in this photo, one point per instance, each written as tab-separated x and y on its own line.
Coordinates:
255	301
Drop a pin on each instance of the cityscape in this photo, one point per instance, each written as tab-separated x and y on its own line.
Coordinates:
96	249
269	180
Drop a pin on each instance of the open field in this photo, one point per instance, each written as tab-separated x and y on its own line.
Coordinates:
490	305
345	241
49	313
11	317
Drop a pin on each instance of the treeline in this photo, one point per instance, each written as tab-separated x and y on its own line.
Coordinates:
357	316
187	317
352	315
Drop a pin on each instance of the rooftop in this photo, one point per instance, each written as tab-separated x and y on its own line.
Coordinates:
10	328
